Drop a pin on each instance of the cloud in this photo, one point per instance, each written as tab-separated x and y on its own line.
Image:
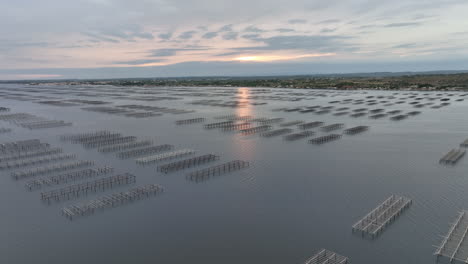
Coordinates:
284	30
413	6
251	36
96	32
328	30
129	32
196	47
164	52
405	46
99	38
139	62
459	33
187	34
330	21
8	45
297	21
407	24
253	29
144	35
33	44
26	60
210	35
230	36
318	43
226	28
174	51
165	36
422	16
233	53
73	46
367	26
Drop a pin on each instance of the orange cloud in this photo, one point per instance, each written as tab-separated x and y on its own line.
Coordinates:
267	58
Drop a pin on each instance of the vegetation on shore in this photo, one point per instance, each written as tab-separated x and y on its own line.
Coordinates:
425	82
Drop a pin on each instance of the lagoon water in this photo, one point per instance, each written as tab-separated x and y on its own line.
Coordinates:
295	198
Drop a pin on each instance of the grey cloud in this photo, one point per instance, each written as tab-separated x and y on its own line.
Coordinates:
311	43
253	29
114	34
251	36
210	35
365	32
99	38
226	28
73	46
328	30
411	6
451	49
230	36
164	52
367	26
388	10
196	47
284	30
174	51
26	60
33	44
129	33
187	34
407	24
297	21
330	21
7	44
144	35
422	16
229	54
84	15
139	62
405	46
165	36
460	33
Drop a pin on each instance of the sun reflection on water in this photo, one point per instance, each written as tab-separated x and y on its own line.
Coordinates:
243	147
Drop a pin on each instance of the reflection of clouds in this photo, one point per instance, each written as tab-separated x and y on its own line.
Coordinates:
244	149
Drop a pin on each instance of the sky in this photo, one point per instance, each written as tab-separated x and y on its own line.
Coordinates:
56	39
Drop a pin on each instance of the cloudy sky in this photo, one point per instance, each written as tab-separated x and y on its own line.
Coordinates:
159	38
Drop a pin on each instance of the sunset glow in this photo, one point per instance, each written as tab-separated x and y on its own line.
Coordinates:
266	58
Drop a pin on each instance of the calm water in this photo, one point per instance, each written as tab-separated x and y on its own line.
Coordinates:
294	199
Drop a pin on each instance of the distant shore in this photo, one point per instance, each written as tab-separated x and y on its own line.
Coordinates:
421	82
